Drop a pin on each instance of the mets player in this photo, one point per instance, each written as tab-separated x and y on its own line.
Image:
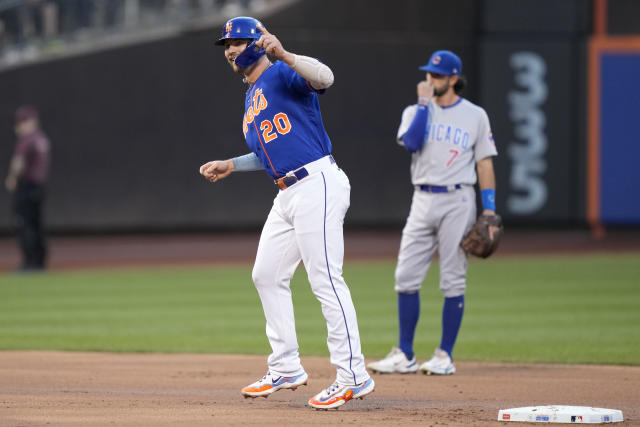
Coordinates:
449	139
283	128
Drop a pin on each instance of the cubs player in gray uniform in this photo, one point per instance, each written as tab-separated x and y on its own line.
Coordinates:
450	139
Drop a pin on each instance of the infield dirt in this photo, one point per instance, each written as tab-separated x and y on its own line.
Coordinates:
99	389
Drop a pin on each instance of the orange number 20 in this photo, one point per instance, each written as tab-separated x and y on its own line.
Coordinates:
266	127
283	126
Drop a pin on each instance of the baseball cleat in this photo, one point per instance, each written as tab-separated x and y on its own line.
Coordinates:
439	364
395	362
337	395
271	383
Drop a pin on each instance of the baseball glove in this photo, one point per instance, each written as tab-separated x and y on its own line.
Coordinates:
484	237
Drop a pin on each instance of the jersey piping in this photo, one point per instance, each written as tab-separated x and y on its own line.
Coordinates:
260	139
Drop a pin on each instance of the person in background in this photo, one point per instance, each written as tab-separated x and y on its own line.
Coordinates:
451	148
26	180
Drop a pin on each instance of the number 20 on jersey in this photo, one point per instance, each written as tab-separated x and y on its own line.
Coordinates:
270	129
282	126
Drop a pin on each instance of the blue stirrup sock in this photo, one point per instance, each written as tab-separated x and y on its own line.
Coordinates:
408	314
451	320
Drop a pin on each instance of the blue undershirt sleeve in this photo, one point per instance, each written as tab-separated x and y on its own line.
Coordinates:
248	162
413	138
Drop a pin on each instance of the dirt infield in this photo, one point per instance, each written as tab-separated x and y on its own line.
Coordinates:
81	389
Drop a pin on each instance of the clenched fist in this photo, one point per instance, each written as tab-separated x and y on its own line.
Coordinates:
425	89
217	169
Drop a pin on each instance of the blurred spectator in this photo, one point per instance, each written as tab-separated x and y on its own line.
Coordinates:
31	28
31	19
21	26
109	13
3	36
11	23
27	176
76	16
49	15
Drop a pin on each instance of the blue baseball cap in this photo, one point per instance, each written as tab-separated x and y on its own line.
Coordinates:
444	62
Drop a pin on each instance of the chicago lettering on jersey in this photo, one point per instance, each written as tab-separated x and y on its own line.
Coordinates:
259	103
443	133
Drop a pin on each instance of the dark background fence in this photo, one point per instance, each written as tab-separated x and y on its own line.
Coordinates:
130	126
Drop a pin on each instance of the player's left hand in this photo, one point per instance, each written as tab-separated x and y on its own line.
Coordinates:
485	235
271	44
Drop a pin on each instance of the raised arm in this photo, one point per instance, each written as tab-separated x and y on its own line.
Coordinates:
318	74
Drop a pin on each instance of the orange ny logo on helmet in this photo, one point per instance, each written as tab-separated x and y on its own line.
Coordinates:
227	28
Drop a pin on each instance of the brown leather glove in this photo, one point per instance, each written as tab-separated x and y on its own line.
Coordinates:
484	237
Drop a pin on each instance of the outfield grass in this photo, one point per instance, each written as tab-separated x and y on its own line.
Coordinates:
566	309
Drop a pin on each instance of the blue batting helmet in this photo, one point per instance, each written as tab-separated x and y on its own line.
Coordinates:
242	27
444	62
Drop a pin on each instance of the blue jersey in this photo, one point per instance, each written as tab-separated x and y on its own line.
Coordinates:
282	121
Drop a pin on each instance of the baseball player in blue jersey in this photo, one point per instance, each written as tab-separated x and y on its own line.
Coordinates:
283	128
449	139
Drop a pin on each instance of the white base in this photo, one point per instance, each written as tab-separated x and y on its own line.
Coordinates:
561	414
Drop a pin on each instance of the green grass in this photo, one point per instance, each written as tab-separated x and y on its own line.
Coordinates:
565	309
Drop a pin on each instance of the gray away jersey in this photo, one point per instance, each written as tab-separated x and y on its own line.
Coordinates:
456	138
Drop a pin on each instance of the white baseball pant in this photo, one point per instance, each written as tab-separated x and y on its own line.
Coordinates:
305	223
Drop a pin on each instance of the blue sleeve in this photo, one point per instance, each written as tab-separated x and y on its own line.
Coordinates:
413	138
248	162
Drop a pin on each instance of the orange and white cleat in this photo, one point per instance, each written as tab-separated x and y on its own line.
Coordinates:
271	383
337	394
